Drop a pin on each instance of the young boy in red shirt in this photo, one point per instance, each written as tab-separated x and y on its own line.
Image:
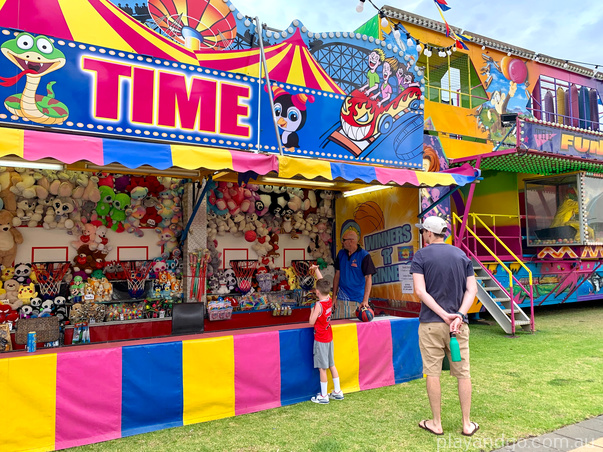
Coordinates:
320	318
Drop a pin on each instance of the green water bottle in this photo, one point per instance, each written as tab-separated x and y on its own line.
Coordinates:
455	351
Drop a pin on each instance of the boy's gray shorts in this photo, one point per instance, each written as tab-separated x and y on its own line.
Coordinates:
324	356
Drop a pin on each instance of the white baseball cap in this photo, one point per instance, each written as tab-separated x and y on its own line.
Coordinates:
435	224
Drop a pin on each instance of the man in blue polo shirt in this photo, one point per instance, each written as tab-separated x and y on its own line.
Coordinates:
354	270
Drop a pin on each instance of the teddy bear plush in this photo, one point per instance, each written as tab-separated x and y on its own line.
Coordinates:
24	188
103	207
212	225
8	178
214	257
133	221
87	237
167	240
153	184
251	197
121	183
118	212
325	208
10	237
262	246
84	261
28	213
11	296
101	238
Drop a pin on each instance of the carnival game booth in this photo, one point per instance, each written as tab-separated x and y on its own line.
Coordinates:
184	168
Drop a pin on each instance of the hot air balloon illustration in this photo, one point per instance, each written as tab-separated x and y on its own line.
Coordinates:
197	24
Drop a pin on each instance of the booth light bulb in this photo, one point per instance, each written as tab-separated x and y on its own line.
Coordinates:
419	48
409	42
384	22
360	6
396	33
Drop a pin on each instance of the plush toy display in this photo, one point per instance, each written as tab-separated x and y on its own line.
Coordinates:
22	273
11	294
10	237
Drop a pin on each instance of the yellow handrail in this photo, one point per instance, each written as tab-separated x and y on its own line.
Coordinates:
476	216
507	269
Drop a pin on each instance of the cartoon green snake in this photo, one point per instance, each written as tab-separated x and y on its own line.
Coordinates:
36	57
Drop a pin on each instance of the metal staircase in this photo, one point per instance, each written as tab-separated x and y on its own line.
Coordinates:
498	300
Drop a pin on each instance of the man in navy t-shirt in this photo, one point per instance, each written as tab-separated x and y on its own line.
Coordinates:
444	280
354	270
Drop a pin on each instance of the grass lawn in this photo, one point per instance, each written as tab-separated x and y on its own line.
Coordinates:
521	387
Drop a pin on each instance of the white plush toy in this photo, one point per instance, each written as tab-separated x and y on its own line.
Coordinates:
326	209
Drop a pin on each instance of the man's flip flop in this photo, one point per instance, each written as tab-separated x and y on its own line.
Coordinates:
475	429
423	425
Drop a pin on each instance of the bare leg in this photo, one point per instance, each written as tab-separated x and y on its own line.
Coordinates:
334	372
465	399
323	374
435	400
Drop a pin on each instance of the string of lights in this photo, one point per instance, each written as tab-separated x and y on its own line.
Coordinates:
412	41
591	69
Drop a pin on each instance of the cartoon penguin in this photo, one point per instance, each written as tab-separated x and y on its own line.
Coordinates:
290	114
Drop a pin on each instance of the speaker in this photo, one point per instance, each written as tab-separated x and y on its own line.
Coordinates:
187	318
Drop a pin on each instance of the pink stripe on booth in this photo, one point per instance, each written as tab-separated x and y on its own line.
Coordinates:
257	372
88	397
63	147
376	367
399	176
259	163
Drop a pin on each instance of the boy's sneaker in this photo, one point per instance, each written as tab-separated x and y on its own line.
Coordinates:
319	398
336	395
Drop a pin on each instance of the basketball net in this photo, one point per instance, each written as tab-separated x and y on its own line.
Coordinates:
49	276
136	276
243	271
302	270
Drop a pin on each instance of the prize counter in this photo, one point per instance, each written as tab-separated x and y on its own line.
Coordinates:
99	392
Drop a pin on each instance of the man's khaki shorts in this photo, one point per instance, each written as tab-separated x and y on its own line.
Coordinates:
345	309
434	342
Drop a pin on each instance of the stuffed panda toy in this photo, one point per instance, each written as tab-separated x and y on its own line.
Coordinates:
22	273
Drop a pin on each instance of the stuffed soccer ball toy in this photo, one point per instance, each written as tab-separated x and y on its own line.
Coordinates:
364	314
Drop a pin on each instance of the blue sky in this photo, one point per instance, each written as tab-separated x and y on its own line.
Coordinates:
571	30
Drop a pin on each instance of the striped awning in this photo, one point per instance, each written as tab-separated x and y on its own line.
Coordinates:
530	162
291	167
288	62
34	145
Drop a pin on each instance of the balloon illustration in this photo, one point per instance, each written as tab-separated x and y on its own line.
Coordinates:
197	24
514	69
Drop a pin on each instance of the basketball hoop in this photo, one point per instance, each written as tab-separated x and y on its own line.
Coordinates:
136	276
302	270
50	276
243	270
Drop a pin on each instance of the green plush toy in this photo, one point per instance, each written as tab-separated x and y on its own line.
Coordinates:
118	212
103	207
